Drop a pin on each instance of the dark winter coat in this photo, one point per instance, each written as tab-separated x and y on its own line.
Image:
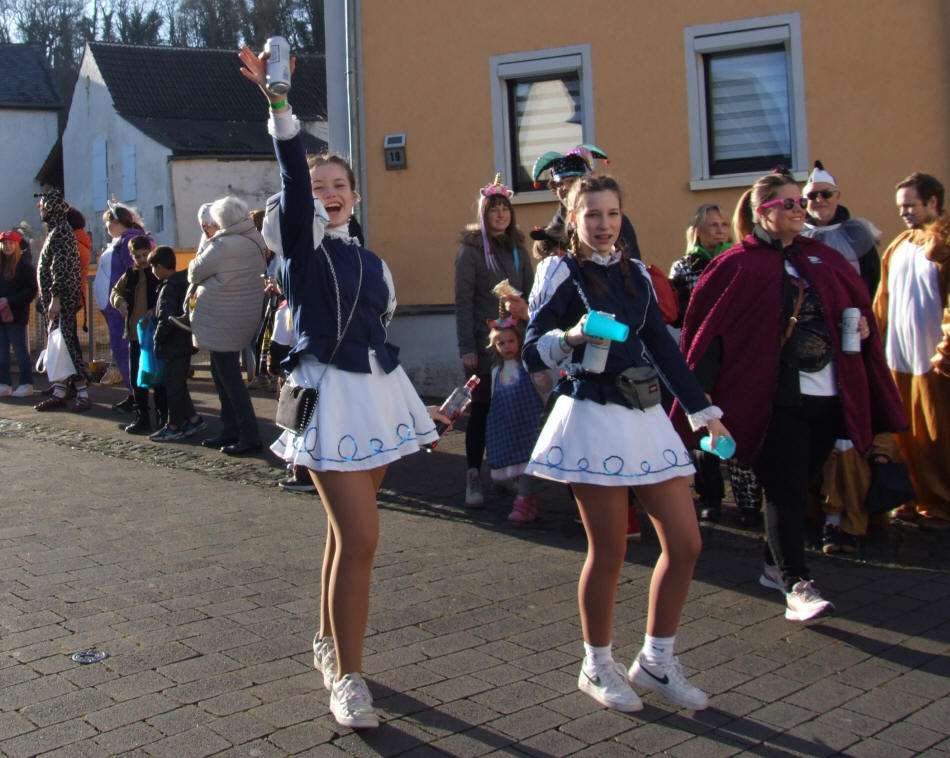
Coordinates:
20	290
172	341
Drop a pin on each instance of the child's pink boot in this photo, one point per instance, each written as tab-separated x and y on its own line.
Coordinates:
525	509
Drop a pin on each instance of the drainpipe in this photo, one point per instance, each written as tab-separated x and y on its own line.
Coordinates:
345	116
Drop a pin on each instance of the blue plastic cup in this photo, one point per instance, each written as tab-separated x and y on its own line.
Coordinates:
725	446
605	326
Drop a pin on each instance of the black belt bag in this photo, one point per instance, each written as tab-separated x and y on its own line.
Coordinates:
639	386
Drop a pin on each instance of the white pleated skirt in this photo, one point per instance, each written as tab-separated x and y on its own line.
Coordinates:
585	442
362	421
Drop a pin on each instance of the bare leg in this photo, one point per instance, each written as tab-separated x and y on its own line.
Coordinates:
350	502
671	510
604	513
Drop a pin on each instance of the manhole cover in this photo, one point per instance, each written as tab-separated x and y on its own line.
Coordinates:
90	656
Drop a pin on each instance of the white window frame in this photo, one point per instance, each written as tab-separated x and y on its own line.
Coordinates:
785	29
559	60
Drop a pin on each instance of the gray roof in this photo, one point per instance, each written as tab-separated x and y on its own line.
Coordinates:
195	101
27	81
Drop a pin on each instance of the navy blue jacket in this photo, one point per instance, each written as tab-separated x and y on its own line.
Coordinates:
309	271
649	342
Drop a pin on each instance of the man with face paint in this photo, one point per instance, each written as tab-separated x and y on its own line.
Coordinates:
913	309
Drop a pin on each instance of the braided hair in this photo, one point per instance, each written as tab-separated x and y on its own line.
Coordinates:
582	186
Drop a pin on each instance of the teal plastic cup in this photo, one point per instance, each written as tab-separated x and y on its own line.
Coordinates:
605	326
725	446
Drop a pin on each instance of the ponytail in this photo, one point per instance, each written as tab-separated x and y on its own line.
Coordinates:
742	219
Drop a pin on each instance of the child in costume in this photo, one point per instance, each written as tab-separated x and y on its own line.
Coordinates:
513	417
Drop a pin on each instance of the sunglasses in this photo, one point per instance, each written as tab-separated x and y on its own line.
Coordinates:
786	202
827	194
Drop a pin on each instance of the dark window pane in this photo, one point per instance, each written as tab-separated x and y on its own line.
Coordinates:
544	114
748	110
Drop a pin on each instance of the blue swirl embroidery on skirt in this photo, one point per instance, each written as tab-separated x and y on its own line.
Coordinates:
611	466
348	449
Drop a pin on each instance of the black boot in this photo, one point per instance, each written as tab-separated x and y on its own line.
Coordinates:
140	425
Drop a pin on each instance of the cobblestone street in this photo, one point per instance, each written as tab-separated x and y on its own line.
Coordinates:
200	580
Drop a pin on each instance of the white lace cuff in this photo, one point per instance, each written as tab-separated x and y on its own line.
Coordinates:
550	348
699	419
283	125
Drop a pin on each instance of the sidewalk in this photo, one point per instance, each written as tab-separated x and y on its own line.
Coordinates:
200	580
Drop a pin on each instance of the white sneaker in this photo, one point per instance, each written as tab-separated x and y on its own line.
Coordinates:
351	703
5	390
772	578
324	659
609	687
473	488
804	602
669	681
23	390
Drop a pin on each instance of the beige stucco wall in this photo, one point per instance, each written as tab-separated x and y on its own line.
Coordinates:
877	108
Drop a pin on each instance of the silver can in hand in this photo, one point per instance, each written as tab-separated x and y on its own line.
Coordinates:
851	331
278	65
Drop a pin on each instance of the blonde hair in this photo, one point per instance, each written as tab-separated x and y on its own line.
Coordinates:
699	218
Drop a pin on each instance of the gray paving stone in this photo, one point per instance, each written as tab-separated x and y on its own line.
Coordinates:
238	728
814	738
195	743
12	724
824	695
933	716
782	714
65	707
601	725
290	711
127	738
528	722
873	748
130	712
47	738
204	689
133	686
551	742
887	704
180	719
475	742
229	702
910	736
32	691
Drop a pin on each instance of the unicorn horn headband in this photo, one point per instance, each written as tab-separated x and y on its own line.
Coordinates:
496	188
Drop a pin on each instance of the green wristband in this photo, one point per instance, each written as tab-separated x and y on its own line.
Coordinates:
278	106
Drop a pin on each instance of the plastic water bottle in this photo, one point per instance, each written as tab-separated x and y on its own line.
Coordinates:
454	406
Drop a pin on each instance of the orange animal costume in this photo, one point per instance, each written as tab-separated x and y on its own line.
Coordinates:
912	308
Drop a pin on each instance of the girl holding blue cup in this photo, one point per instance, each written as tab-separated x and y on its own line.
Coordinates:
606	432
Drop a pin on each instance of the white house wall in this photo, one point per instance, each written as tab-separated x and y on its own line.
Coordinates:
92	117
196	181
26	138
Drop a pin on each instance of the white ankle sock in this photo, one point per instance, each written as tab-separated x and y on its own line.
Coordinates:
658	650
596	656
